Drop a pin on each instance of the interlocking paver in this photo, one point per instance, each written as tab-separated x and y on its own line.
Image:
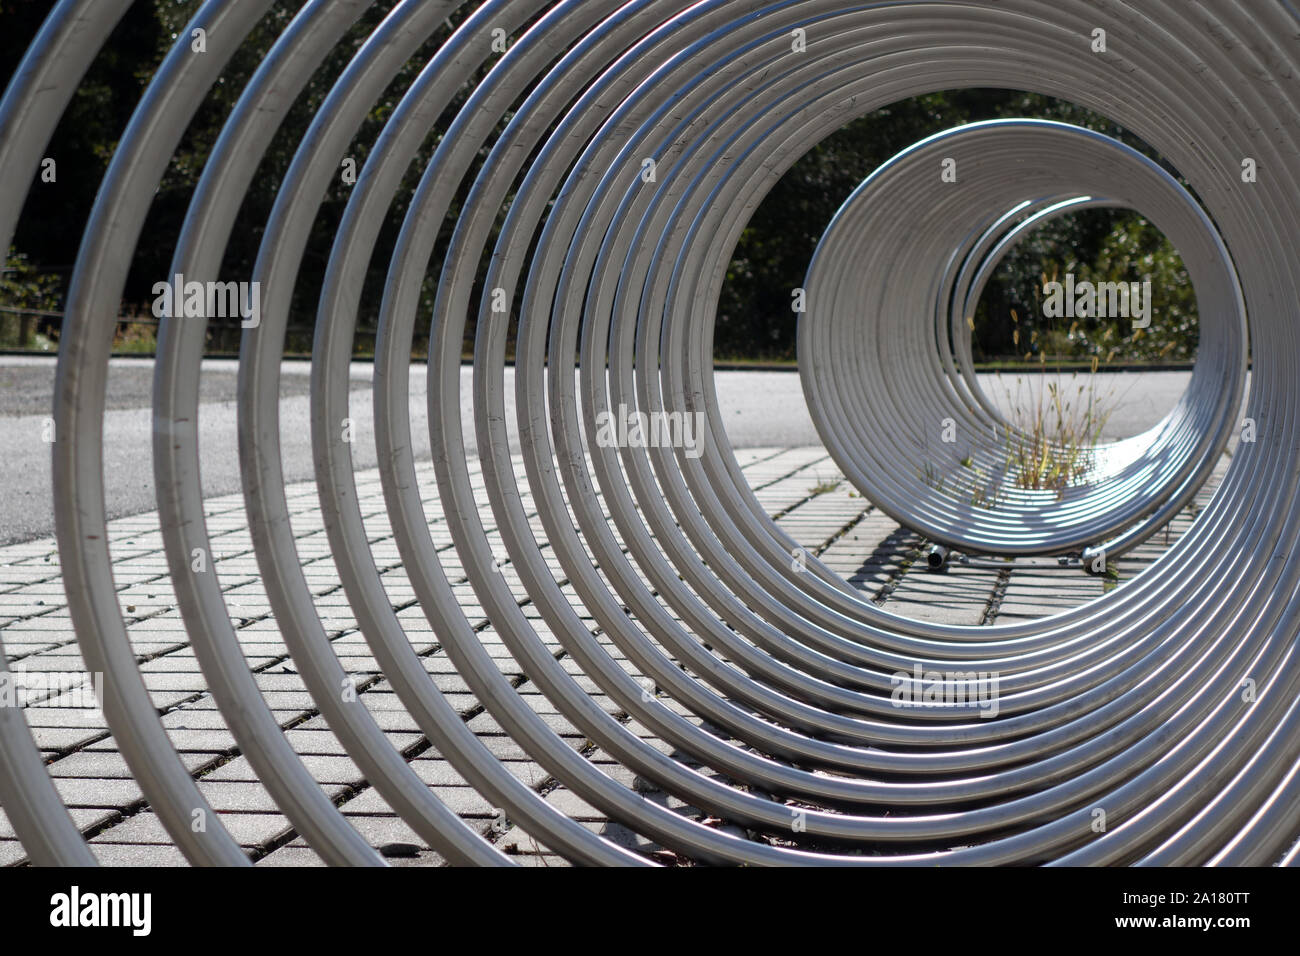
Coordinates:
800	487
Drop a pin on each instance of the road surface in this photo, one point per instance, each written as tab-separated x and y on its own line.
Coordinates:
760	408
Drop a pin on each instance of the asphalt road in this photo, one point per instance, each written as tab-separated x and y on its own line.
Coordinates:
760	408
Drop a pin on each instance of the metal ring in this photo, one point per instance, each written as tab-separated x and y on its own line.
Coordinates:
599	175
919	438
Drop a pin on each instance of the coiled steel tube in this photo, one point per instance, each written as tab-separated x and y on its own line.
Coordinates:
595	179
881	382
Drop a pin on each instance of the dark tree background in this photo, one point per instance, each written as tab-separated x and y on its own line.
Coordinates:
754	317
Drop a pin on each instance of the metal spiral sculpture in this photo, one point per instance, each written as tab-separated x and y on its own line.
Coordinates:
608	160
884	384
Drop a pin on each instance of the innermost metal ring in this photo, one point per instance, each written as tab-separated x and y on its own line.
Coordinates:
896	401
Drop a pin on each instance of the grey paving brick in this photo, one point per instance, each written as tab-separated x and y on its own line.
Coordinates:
110	854
291	856
852	539
89	792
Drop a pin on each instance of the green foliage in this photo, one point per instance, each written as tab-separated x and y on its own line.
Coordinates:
771	258
1053	446
754	317
1134	250
1094	246
25	293
22	286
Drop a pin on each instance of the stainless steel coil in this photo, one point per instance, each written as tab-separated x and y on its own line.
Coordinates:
600	173
895	395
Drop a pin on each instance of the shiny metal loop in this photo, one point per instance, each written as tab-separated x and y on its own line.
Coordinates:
588	184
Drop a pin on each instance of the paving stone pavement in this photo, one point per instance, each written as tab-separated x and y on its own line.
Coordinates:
800	487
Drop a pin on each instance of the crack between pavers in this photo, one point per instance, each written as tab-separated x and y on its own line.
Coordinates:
999	593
